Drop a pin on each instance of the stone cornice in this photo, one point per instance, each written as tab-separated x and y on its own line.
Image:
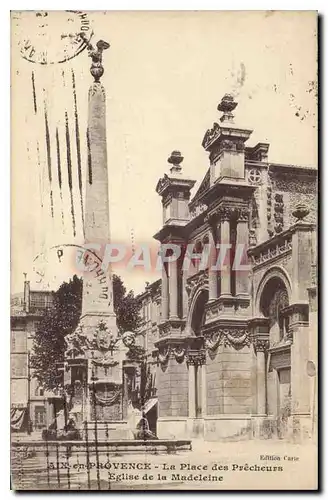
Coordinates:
275	240
277	246
298	314
171	231
171	328
225	305
280	168
226	187
219	133
225	323
176	348
229	211
173	182
281	347
295	308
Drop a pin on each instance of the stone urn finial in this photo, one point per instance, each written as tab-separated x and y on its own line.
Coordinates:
175	159
301	211
227	105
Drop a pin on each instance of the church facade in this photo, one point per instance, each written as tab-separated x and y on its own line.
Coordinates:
235	350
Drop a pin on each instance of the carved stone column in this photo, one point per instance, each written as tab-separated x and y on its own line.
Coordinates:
204	390
260	337
165	295
241	251
185	296
225	215
192	390
212	273
173	289
197	359
261	346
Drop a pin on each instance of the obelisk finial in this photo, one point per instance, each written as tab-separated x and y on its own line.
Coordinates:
97	69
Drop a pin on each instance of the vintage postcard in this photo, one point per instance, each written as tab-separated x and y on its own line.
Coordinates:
164	250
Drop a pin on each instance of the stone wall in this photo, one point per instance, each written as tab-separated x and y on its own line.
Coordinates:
214	382
236	375
172	389
228	375
294	190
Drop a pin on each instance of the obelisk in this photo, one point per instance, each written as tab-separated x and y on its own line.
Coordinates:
97	302
94	356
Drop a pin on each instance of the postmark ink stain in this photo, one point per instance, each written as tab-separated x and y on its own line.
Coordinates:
48	148
59	173
78	146
69	170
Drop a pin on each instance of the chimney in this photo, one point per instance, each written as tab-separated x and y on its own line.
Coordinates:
26	294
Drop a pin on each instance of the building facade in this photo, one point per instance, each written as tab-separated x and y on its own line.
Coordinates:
29	405
236	347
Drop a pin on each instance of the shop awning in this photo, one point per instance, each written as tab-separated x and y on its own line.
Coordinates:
149	404
17	418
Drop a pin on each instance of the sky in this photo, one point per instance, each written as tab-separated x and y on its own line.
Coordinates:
165	74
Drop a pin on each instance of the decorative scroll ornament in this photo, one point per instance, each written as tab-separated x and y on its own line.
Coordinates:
243	214
210	135
252	239
163	356
105	361
77	343
199	209
107	401
225	213
179	353
227	144
213	342
199	280
236	338
278	213
196	357
104	339
272	250
261	344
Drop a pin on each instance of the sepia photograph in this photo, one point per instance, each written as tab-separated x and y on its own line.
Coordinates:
164	207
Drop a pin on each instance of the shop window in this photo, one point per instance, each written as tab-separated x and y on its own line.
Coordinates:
40	417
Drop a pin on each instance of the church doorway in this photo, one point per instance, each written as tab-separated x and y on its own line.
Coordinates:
273	302
196	366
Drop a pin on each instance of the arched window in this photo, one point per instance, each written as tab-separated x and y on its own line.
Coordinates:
39	391
198	314
273	302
